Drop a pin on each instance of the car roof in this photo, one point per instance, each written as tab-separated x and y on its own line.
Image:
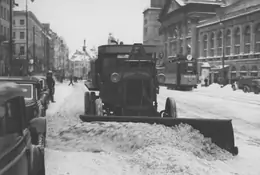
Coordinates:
39	77
16	79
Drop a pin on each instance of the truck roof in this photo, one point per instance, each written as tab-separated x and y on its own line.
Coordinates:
124	49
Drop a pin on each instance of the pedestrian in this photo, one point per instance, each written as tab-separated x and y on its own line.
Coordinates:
206	82
51	85
71	80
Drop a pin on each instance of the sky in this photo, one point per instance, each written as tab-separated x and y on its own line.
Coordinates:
93	20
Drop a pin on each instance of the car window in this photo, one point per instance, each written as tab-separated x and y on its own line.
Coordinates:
27	91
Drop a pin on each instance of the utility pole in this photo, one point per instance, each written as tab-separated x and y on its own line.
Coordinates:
27	31
34	58
11	37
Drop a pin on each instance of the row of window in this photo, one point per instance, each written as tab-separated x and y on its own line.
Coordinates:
21	35
4	13
21	22
4	31
240	38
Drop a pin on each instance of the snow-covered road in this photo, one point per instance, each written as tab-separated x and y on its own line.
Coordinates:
71	151
243	109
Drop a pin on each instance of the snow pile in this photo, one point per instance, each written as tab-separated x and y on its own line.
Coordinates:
156	149
149	149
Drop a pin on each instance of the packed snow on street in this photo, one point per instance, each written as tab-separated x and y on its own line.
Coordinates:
76	148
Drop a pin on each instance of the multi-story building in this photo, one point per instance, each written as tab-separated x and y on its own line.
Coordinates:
4	34
80	62
35	29
179	19
151	24
203	28
36	39
234	34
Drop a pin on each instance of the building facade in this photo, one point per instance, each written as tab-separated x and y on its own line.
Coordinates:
203	28
4	34
179	19
234	34
151	24
35	38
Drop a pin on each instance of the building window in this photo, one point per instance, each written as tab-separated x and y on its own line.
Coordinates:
22	22
13	22
247	39
254	71
7	33
4	17
219	43
233	73
145	31
22	50
243	71
237	41
205	45
145	21
7	15
257	38
2	12
228	42
212	45
181	46
4	31
14	35
22	35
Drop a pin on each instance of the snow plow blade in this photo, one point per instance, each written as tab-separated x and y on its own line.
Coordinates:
219	130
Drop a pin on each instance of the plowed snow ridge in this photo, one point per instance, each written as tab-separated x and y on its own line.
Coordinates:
153	149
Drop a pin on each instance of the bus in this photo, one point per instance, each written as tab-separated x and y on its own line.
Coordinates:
181	73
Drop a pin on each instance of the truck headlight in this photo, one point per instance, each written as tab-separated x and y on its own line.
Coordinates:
115	77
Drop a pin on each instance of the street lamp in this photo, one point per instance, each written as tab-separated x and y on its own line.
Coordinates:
220	13
11	36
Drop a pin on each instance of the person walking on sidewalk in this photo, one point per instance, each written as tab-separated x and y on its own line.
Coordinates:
71	80
51	85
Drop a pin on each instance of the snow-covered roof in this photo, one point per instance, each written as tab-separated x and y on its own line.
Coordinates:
82	56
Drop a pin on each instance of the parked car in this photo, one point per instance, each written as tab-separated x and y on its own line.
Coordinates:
32	96
44	91
18	156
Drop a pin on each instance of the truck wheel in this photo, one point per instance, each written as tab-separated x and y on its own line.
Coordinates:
92	103
256	90
87	102
99	107
170	107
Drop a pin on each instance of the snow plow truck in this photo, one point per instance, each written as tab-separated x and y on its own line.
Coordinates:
124	86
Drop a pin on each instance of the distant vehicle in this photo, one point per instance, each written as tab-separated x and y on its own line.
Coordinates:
124	88
181	73
33	99
256	86
246	83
